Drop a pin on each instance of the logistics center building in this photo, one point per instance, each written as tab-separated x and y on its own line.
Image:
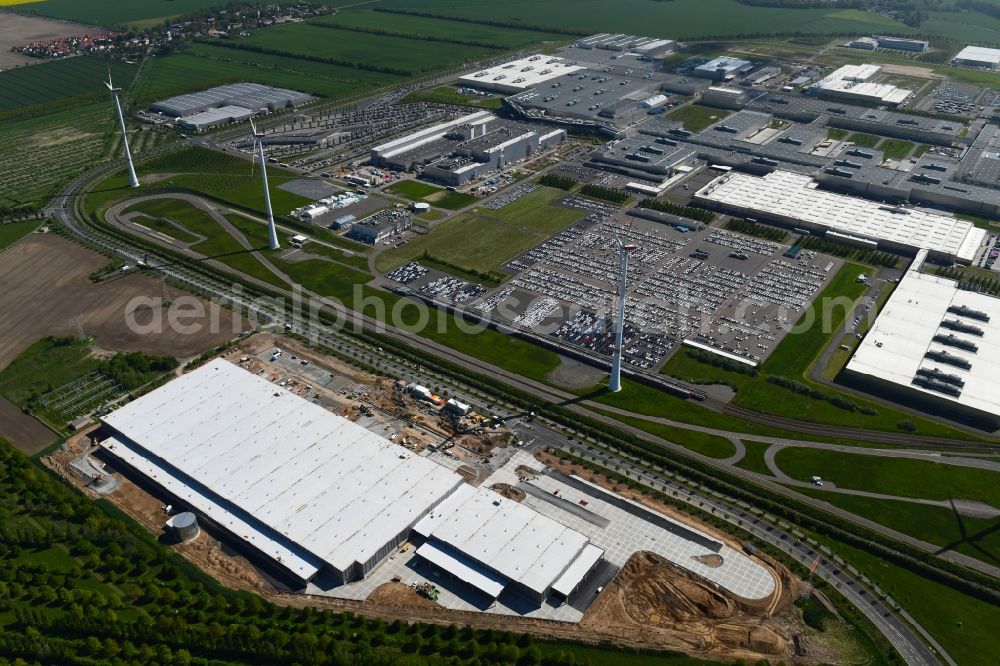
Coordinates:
313	494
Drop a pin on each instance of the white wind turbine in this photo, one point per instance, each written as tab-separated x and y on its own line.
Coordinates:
272	233
615	380
121	121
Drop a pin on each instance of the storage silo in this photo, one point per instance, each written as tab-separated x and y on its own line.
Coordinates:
184	526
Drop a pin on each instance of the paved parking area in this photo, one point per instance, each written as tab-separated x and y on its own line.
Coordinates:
629	528
723	289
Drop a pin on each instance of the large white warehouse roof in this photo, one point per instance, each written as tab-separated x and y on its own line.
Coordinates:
518	75
795	198
979	55
289	470
934	338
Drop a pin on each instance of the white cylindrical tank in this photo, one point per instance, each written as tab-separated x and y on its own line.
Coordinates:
421	207
184	526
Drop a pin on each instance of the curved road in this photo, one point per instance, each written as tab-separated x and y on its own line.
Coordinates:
584	407
896	630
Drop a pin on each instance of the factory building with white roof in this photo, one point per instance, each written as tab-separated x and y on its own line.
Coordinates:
313	494
935	345
794	200
856	83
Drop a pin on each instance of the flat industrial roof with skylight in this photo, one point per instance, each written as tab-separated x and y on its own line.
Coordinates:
794	199
936	342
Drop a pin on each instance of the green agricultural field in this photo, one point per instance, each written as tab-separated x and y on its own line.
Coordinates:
44	366
696	118
415	190
895	149
54	83
965	27
113	13
483	240
679	19
202	66
12	232
400	53
42	154
975	537
892	476
450	95
421	27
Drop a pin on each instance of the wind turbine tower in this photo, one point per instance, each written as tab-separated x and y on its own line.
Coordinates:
121	121
272	233
615	381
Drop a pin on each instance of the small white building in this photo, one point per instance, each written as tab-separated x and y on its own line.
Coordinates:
457	407
864	43
654	102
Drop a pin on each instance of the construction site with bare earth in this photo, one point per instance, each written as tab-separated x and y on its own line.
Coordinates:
625	568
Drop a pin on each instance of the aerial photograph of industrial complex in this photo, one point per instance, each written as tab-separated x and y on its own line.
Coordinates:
529	333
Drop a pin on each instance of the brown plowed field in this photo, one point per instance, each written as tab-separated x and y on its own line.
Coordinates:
44	284
22	430
16	30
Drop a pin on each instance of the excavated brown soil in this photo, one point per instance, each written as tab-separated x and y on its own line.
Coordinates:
508	491
652	597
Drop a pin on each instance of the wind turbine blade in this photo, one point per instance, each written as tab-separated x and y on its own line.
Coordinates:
253	127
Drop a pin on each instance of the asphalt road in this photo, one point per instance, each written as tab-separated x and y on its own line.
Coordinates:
890	624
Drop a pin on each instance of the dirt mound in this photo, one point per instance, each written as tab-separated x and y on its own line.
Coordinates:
399	594
711	560
759	639
659	597
525	473
508	491
664	604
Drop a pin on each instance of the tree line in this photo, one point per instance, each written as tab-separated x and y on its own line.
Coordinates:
671	208
513	25
409	35
354	64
